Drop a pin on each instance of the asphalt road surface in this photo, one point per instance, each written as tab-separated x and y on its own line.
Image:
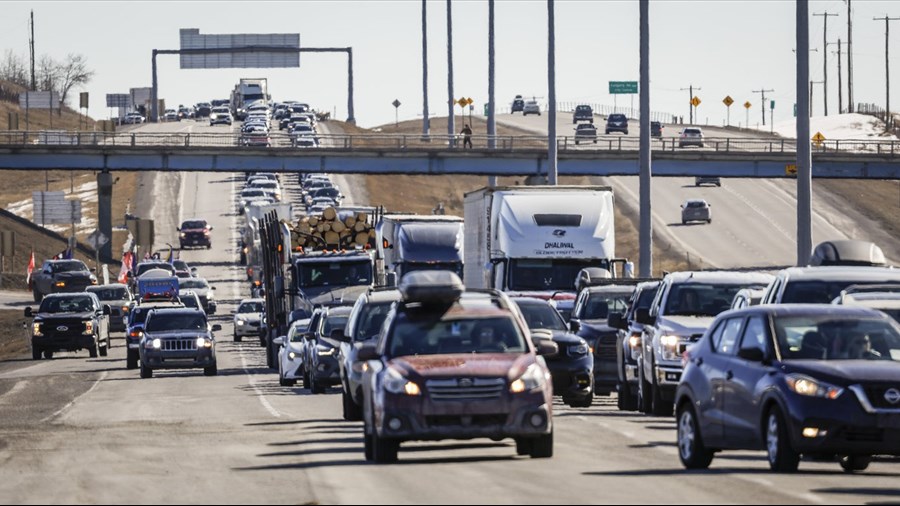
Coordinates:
80	430
754	221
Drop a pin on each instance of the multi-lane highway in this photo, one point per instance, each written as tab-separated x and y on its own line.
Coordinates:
754	220
79	430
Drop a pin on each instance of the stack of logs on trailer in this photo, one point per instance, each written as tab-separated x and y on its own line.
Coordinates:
332	231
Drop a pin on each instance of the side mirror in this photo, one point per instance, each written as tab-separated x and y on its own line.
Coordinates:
617	321
308	336
216	328
107	310
212	288
574	326
367	352
338	335
28	312
644	318
178	229
211	228
278	341
752	354
547	347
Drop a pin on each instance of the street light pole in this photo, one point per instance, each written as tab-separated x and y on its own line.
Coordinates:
451	128
646	218
426	126
804	155
551	85
492	109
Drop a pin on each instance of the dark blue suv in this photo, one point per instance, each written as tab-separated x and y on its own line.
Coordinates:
815	380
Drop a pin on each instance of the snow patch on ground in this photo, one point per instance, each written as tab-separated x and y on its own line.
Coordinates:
87	193
851	126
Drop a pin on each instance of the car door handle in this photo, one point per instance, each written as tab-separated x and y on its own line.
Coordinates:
729	375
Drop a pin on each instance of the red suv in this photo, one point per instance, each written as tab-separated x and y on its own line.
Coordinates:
455	364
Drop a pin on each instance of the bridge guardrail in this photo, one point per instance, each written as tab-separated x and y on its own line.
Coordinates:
437	142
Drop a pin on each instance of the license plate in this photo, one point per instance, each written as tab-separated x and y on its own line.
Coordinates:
134	346
889	421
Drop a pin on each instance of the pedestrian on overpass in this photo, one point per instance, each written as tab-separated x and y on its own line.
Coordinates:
467	136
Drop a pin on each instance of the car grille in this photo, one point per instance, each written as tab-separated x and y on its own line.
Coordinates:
52	328
875	393
179	344
194	236
605	347
465	389
465	421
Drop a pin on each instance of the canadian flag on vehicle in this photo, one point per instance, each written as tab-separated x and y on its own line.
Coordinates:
30	269
126	266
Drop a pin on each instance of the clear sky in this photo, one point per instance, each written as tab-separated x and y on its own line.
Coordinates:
723	47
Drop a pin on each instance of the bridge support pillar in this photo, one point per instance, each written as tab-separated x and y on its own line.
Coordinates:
104	212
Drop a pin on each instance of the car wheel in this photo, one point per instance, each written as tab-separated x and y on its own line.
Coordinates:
36	295
542	446
523	446
104	350
691	450
212	370
48	354
660	407
709	221
131	359
855	463
367	445
352	412
607	132
238	338
627	400
305	377
384	449
36	354
684	222
93	350
781	455
283	382
576	143
316	387
643	392
146	372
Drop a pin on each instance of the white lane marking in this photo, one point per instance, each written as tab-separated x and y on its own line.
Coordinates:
237	290
73	401
759	211
259	393
18	387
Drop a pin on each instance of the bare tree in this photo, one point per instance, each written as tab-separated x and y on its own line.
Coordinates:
14	69
70	73
47	71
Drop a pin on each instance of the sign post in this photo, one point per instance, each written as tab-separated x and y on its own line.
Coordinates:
7	249
396	104
772	116
747	106
694	103
728	101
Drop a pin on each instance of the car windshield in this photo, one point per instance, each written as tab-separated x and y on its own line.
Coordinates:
250	307
109	293
700	299
142	268
327	192
542	316
193	224
253	193
333	322
335	274
75	304
371	318
71	266
431	336
295	335
827	337
599	305
181	265
645	299
193	283
534	274
162	322
817	292
264	183
190	301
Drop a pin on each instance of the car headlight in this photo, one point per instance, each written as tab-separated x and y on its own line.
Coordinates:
292	355
809	387
669	341
578	350
634	341
153	344
88	328
240	323
125	309
60	284
183	235
203	342
532	379
359	367
36	329
669	344
395	383
210	296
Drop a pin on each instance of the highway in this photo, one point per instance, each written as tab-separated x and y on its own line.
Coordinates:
754	221
79	430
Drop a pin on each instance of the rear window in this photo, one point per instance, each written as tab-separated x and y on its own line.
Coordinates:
692	131
617	117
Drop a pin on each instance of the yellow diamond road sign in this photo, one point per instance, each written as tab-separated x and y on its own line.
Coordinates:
728	101
747	105
790	169
695	101
818	137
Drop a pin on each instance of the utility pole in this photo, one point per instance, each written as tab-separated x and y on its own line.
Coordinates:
492	106
850	105
804	153
451	128
426	127
888	118
690	89
31	44
646	217
840	77
825	15
551	87
762	93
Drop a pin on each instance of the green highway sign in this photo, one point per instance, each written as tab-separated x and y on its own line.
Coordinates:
623	87
772	106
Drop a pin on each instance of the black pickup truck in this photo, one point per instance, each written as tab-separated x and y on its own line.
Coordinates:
69	322
61	276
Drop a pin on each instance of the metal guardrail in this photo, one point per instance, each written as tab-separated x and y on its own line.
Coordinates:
436	142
